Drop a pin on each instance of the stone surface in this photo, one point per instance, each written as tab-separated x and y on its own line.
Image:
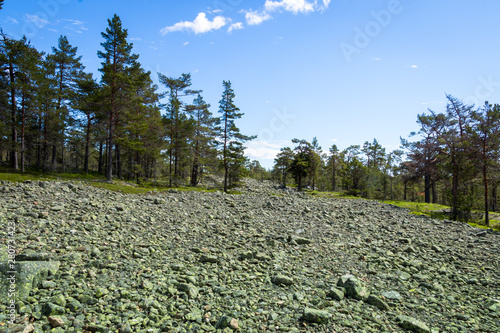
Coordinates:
180	261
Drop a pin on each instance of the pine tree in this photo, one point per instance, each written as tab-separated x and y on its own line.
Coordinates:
87	101
203	139
117	58
229	133
301	163
333	165
142	131
176	121
69	70
485	132
28	66
283	162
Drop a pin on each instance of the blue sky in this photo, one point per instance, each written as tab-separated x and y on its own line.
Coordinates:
343	71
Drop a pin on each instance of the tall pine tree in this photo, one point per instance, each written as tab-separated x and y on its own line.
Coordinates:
117	59
229	134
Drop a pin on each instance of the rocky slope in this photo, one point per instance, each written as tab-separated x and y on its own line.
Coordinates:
90	260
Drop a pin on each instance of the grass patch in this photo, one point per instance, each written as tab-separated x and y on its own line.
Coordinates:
99	181
320	194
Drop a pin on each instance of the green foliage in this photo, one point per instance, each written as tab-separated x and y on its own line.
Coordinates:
230	138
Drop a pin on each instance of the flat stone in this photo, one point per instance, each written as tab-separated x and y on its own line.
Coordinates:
413	324
282	280
316	316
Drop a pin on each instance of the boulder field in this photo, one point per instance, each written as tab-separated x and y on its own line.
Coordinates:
266	260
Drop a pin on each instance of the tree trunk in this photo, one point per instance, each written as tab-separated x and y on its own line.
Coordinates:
99	163
427	188
54	154
334	180
405	191
494	199
485	181
434	194
118	162
87	148
23	127
13	157
109	167
454	193
62	154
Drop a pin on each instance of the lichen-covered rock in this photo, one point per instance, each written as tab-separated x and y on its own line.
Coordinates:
413	324
316	316
282	280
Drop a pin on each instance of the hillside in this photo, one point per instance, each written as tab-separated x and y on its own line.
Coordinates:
92	260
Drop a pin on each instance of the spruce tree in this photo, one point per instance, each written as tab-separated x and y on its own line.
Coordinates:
228	133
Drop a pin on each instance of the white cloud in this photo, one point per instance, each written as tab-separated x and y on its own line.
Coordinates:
36	20
185	43
262	150
256	18
294	6
13	20
75	25
414	66
235	26
377	59
200	25
138	39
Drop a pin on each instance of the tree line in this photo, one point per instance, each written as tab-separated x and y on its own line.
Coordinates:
455	162
56	117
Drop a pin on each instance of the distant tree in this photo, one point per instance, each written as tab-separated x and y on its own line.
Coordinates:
315	161
333	165
117	59
375	154
283	162
423	155
457	150
353	170
228	133
485	133
257	171
301	163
